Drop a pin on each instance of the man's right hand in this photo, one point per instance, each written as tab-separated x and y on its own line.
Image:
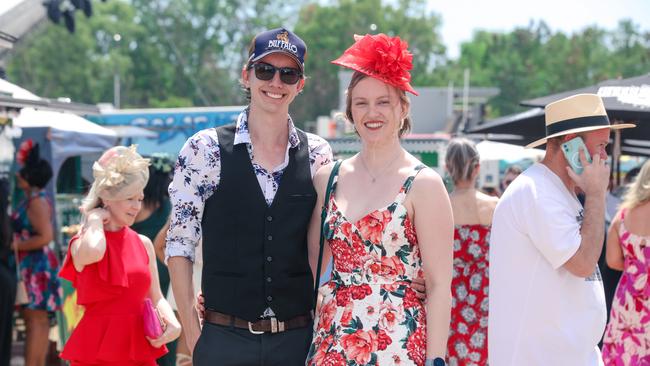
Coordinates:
595	175
200	307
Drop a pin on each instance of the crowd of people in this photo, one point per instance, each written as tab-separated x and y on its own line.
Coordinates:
420	276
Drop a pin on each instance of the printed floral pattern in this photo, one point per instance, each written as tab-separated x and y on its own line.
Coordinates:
467	343
38	268
627	336
198	171
369	314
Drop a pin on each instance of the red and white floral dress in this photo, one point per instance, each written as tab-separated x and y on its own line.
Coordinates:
370	315
467	343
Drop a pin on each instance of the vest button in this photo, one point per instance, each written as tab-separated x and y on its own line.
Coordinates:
269	218
269	279
269	298
269	238
269	259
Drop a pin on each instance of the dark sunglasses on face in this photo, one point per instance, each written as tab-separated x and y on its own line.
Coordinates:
266	72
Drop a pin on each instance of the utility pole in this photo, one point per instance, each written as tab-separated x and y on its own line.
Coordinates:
465	101
116	75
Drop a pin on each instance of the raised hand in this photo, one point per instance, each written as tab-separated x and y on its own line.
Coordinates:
595	175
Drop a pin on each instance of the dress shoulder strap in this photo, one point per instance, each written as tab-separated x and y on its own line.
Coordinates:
334	178
39	194
408	183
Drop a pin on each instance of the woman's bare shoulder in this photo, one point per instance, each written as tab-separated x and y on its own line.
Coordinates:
426	182
487	199
486	206
148	245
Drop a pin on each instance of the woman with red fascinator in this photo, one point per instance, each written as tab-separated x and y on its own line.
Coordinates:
388	221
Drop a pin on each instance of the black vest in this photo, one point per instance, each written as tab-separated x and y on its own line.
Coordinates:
255	255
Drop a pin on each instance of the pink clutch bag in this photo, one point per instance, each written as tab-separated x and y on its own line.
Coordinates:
152	323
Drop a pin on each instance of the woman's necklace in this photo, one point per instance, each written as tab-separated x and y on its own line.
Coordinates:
373	178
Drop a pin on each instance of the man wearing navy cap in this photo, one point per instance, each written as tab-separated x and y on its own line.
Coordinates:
246	191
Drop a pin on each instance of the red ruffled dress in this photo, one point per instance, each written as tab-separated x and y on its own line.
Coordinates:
112	291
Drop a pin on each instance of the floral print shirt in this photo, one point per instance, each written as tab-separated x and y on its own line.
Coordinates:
197	174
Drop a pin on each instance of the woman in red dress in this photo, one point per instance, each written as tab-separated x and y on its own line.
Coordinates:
467	343
114	270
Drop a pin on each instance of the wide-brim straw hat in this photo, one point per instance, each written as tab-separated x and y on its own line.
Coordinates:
575	114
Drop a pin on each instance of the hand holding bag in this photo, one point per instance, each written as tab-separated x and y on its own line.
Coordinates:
153	325
21	290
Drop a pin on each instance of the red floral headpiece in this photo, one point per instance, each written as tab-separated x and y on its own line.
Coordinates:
381	57
24	150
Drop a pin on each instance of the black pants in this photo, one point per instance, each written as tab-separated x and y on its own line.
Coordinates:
229	346
7	299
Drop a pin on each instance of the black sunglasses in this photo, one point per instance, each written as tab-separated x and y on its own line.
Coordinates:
266	72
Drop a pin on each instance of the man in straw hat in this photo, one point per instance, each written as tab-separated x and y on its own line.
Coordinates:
246	190
547	305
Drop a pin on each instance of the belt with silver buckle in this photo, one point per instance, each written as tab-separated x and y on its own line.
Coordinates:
271	325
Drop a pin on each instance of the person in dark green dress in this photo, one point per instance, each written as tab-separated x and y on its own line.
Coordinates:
153	216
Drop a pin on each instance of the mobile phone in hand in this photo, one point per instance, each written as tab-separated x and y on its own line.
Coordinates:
571	150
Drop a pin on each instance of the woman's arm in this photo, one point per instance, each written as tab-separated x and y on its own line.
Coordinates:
39	216
613	250
173	328
313	235
159	242
90	246
434	226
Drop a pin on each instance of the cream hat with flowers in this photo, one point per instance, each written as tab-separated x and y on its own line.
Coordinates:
120	173
575	114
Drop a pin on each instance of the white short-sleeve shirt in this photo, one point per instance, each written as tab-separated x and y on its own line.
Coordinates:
540	313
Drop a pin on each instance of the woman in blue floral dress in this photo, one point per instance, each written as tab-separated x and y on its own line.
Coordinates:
38	264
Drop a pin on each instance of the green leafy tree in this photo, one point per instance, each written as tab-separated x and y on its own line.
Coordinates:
188	52
533	61
206	41
55	63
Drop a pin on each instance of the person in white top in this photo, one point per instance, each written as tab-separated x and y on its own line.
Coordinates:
547	305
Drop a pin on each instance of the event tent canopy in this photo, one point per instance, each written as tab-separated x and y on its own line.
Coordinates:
69	134
626	100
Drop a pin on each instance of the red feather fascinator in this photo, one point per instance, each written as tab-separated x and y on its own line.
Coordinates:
381	57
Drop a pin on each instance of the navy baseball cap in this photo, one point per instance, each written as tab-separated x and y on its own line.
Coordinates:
279	40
